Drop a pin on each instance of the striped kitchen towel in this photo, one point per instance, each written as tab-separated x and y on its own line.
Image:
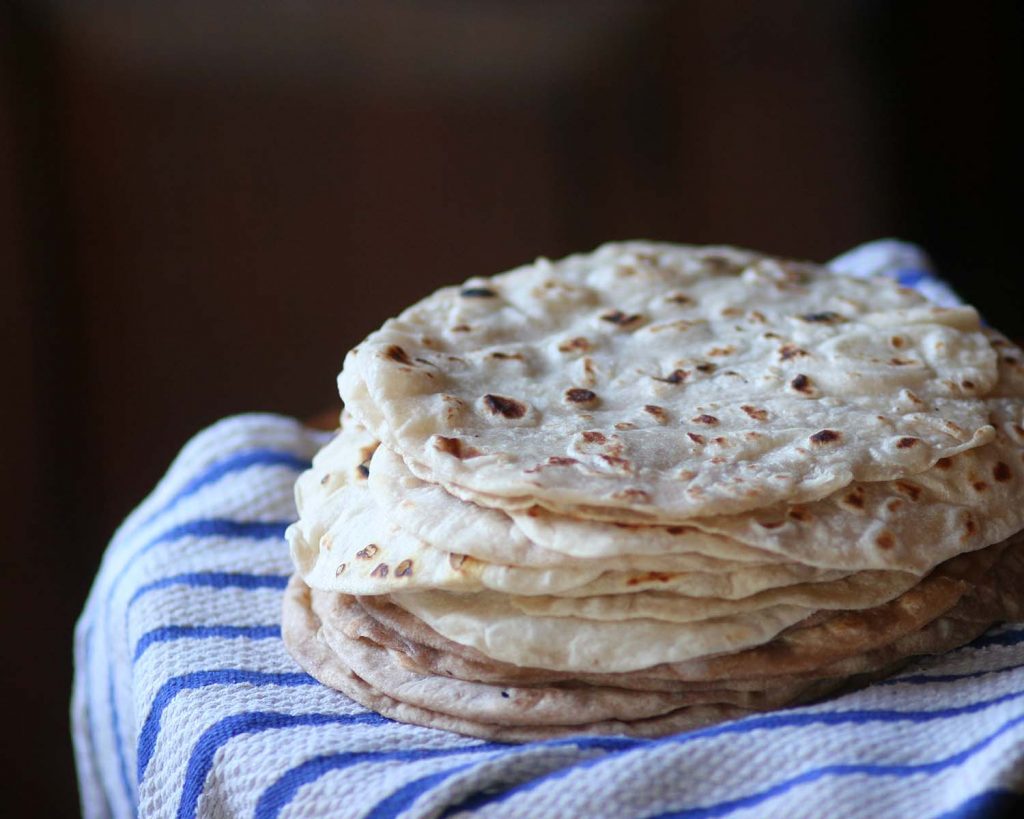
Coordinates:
186	704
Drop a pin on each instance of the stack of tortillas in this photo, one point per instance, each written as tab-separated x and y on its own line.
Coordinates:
656	486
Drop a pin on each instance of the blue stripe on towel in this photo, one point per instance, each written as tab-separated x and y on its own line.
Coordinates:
213	580
771	722
238	462
202	679
1003	638
813	775
275	798
217	735
205	527
165	634
404	797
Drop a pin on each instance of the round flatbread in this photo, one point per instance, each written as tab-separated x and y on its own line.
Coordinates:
672	382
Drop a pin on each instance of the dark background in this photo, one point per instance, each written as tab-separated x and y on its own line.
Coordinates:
204	204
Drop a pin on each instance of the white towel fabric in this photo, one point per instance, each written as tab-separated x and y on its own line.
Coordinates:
186	703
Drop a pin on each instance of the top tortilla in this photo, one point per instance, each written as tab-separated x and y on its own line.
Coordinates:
671	382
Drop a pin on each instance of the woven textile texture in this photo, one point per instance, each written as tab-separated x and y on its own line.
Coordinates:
186	704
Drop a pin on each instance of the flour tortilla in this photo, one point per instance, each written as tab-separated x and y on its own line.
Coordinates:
857	591
950	607
494	627
961	504
345	542
301	632
359	551
539	538
796	382
498	631
529	704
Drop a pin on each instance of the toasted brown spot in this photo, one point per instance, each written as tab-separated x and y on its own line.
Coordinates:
721	266
507	407
1001	472
826	436
720	351
657	412
403	569
979	486
758	316
788	351
506	356
898	342
325	479
675	377
617	462
631	494
396	353
578	344
901	362
911	490
722	441
650	577
381	570
706	367
578	395
907	443
771	524
885	540
561	460
970	527
588	370
364	469
477	293
678	298
855	498
894	505
679	325
620	319
625	425
755	413
594	437
679	530
944	463
799	513
826	317
368	551
461	328
340	570
774	336
710	420
697	439
801	383
967	385
455	447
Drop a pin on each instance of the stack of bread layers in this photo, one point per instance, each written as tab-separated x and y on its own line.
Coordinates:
653	487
